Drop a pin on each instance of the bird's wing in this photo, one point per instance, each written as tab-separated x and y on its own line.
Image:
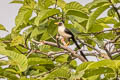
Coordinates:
68	31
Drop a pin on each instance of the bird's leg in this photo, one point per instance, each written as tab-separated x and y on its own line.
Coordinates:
63	41
67	44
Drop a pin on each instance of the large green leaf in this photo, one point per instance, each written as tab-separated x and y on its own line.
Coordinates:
77	13
107	20
94	16
23	16
8	75
99	71
44	4
76	9
60	73
96	3
75	6
16	59
45	14
62	58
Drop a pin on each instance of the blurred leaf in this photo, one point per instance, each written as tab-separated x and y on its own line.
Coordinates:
76	6
100	70
107	20
94	15
17	40
73	63
17	1
96	3
62	72
8	75
2	27
44	4
45	14
77	13
41	61
111	12
60	3
62	58
17	59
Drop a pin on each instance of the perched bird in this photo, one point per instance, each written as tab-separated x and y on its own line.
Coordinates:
66	33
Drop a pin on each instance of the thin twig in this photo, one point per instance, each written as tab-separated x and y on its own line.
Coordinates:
89	46
55	4
3	57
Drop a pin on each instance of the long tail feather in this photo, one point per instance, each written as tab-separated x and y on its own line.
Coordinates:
78	47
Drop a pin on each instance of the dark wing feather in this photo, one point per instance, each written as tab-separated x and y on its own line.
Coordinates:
68	32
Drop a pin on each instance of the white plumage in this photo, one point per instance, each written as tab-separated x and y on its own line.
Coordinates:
61	31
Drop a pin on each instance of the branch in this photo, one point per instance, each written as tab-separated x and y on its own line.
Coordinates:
62	47
89	46
112	41
55	4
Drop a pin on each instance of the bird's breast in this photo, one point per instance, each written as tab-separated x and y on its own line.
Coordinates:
61	31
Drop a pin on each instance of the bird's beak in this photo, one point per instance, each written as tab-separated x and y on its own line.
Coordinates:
56	23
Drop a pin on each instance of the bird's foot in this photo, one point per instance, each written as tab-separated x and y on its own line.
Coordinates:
67	44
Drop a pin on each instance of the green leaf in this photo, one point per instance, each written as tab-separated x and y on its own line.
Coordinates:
107	20
45	14
94	16
37	31
44	4
17	59
44	48
77	13
2	27
23	16
41	61
73	63
62	72
111	12
3	62
2	46
17	40
99	71
60	3
62	58
8	75
17	1
96	3
80	70
75	6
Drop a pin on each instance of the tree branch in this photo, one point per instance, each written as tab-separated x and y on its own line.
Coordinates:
62	47
89	46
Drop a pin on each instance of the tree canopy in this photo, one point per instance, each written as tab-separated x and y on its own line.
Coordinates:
32	49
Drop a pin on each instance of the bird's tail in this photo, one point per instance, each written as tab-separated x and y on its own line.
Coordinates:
78	47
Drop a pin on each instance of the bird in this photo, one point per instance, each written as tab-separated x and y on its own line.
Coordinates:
67	34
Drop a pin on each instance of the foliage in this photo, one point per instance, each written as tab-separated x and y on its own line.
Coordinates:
34	54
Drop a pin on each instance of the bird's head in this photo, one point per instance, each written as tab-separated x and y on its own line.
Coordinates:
59	24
